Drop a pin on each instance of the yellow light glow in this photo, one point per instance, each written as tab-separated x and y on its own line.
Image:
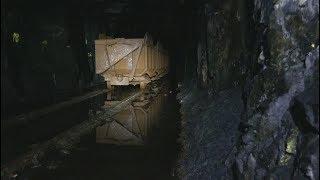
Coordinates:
15	37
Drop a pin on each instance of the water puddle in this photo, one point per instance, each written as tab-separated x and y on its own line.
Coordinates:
139	142
132	125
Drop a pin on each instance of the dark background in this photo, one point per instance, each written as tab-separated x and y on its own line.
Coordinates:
53	58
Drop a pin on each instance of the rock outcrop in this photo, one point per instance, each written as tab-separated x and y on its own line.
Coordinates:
282	106
277	66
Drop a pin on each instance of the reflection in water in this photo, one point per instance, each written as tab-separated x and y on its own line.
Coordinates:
132	125
155	123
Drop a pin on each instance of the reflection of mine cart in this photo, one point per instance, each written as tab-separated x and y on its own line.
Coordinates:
132	125
130	61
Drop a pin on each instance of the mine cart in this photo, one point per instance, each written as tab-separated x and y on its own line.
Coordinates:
125	62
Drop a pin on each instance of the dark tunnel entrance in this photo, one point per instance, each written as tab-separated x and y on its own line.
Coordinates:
159	89
49	59
59	38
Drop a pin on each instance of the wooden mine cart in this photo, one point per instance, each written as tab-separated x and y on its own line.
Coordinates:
130	61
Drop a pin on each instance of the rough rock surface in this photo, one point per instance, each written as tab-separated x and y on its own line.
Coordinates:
209	132
282	106
278	127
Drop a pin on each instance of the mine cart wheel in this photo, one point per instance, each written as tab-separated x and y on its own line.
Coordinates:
143	89
109	86
143	86
109	95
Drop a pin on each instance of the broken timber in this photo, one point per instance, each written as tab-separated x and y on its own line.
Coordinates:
65	140
25	118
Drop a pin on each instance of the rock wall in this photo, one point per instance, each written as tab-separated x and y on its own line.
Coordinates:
44	55
270	51
224	44
281	125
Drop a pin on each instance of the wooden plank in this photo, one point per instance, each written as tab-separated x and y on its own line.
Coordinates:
25	118
65	140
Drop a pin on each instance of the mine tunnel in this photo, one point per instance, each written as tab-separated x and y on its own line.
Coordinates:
160	89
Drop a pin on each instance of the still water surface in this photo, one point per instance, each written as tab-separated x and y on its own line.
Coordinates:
139	143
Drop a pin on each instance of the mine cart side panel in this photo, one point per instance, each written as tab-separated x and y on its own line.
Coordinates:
149	60
129	61
101	56
141	68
